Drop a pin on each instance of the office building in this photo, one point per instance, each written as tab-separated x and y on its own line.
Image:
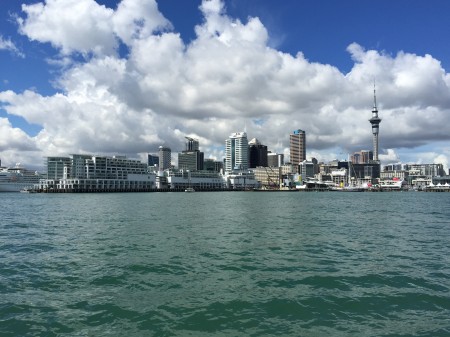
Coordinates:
307	169
191	159
297	146
362	157
275	159
152	160
212	165
165	158
192	144
236	152
257	154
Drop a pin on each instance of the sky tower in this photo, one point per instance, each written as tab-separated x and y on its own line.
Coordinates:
375	121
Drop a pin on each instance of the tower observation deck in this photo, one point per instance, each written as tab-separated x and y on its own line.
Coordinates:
375	121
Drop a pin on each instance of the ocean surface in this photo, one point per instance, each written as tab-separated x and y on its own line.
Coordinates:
225	264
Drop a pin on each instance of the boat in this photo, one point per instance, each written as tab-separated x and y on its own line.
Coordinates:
189	189
15	179
391	185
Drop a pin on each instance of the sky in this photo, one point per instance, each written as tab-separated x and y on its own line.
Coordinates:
125	77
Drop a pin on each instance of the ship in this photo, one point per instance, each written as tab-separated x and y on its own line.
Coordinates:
15	179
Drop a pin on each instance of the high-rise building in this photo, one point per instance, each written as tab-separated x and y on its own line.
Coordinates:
257	154
152	159
297	145
192	144
375	121
165	155
191	159
362	157
212	165
275	159
236	152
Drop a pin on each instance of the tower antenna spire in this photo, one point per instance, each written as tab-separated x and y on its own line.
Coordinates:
374	95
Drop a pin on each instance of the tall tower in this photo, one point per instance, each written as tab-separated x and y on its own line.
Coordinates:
375	121
297	145
165	155
236	152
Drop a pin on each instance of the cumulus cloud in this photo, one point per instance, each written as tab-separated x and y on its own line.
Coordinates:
227	79
70	25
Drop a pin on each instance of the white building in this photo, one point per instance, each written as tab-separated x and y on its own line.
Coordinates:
84	173
236	152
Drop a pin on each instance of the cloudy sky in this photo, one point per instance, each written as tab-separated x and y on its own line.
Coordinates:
124	77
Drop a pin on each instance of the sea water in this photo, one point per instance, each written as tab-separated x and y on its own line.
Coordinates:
225	264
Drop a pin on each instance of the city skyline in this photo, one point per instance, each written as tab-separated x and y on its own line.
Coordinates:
154	72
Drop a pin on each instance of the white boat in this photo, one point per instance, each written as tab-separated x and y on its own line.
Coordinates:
394	184
15	179
189	189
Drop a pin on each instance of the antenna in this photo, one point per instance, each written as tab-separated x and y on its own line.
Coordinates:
374	95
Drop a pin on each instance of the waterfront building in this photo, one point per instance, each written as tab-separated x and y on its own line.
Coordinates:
86	173
297	146
165	158
275	159
397	174
375	121
257	154
268	177
430	170
78	166
236	152
57	167
198	180
241	180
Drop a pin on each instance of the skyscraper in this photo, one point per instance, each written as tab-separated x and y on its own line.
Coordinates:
192	144
236	152
257	155
297	145
375	121
191	159
165	155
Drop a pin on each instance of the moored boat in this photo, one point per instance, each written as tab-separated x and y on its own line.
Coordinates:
15	179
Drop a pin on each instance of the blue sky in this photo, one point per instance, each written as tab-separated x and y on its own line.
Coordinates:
111	76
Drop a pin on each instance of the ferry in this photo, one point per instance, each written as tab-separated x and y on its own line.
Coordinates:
15	179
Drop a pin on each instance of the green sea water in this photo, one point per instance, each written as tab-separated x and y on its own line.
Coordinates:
225	264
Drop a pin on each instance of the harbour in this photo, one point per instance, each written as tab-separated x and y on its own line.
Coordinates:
146	264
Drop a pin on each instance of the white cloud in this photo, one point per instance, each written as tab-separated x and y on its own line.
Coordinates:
226	79
7	44
71	25
138	19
